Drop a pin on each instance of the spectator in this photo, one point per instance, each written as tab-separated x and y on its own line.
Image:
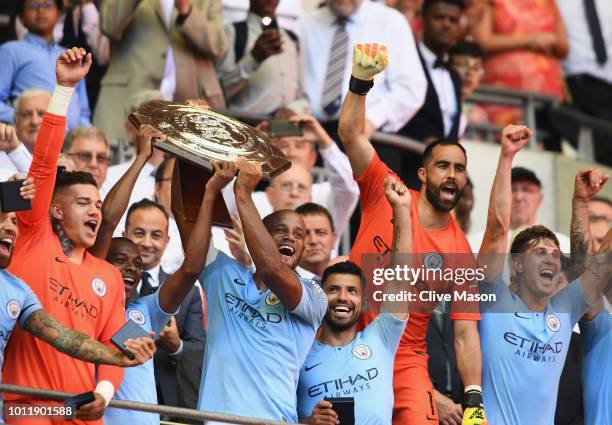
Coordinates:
261	72
29	62
14	156
88	147
147	226
179	40
411	9
153	311
326	36
600	220
289	189
588	66
439	117
287	12
523	43
526	200
266	350
320	240
30	108
56	233
466	59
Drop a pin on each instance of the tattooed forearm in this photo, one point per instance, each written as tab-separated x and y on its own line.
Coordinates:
396	236
579	235
75	344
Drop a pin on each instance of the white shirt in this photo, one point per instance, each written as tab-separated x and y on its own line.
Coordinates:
398	92
443	85
581	57
168	84
144	187
18	160
287	12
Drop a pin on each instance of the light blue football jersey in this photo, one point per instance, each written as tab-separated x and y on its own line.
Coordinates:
362	369
254	346
523	353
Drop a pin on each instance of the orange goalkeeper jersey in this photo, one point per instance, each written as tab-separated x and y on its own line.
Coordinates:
375	237
88	297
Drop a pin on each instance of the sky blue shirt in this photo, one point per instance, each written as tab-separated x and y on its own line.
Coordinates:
523	353
139	382
17	303
30	63
597	369
255	346
362	369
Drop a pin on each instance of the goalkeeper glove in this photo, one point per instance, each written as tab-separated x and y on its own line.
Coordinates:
473	410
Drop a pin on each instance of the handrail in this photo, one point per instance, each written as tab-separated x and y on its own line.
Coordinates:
144	407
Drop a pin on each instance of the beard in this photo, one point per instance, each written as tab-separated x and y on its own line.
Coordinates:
433	196
340	326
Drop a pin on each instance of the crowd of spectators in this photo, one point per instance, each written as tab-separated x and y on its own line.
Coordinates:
281	61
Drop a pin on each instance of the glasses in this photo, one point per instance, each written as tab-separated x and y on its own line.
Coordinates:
88	157
31	114
288	187
35	7
466	67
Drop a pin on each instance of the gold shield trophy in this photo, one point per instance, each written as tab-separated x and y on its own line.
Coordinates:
196	136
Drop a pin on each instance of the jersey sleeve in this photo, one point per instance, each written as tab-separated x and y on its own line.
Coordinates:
43	170
159	318
592	331
29	305
312	305
571	299
371	182
501	299
388	329
215	261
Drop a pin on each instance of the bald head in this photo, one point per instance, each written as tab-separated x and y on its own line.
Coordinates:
291	188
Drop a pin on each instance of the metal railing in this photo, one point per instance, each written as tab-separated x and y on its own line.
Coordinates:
178	412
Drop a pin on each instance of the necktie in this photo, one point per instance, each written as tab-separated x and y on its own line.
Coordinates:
595	29
332	88
146	288
440	63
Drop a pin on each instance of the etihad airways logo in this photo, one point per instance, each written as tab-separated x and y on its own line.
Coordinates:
65	297
243	311
346	386
541	352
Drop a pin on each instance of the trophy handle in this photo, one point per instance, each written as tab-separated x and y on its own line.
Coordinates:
188	184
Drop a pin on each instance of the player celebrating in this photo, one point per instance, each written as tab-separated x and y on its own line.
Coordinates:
81	291
341	354
443	177
261	324
153	311
526	334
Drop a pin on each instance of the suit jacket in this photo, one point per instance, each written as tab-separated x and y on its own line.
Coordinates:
190	323
428	121
139	45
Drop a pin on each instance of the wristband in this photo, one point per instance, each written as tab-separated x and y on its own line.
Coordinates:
107	390
60	100
472	398
359	86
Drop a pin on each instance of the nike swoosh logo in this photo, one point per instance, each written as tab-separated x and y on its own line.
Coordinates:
522	317
59	260
311	367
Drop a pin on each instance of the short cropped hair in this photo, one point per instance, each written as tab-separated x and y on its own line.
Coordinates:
466	48
66	179
144	204
87	132
522	174
310	208
428	152
428	3
21	5
29	93
343	267
531	236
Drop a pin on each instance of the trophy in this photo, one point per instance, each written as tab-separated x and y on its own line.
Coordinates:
196	136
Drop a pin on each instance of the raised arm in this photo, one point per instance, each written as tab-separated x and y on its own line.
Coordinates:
495	241
70	68
368	60
278	276
180	283
118	199
80	346
400	199
115	16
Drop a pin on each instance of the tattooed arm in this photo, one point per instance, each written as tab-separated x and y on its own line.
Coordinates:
78	345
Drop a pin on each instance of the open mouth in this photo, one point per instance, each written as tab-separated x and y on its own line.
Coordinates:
342	310
6	245
92	225
547	275
286	250
129	280
448	191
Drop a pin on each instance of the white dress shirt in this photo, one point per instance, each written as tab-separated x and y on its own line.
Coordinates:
168	84
443	84
398	92
18	160
581	57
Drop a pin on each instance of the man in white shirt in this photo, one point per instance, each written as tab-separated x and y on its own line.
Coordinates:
326	35
588	66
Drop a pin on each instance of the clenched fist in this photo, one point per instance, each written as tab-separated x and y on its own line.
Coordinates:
369	60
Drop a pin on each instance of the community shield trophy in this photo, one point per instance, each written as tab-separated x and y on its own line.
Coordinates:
196	136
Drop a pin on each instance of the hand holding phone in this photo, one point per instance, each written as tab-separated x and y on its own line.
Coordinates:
131	330
344	408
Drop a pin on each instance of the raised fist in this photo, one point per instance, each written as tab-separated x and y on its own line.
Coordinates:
72	66
369	60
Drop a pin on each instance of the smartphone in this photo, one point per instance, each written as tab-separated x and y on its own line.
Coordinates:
79	400
131	330
344	408
283	128
268	22
10	198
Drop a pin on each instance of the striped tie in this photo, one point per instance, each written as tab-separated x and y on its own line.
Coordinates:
332	89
